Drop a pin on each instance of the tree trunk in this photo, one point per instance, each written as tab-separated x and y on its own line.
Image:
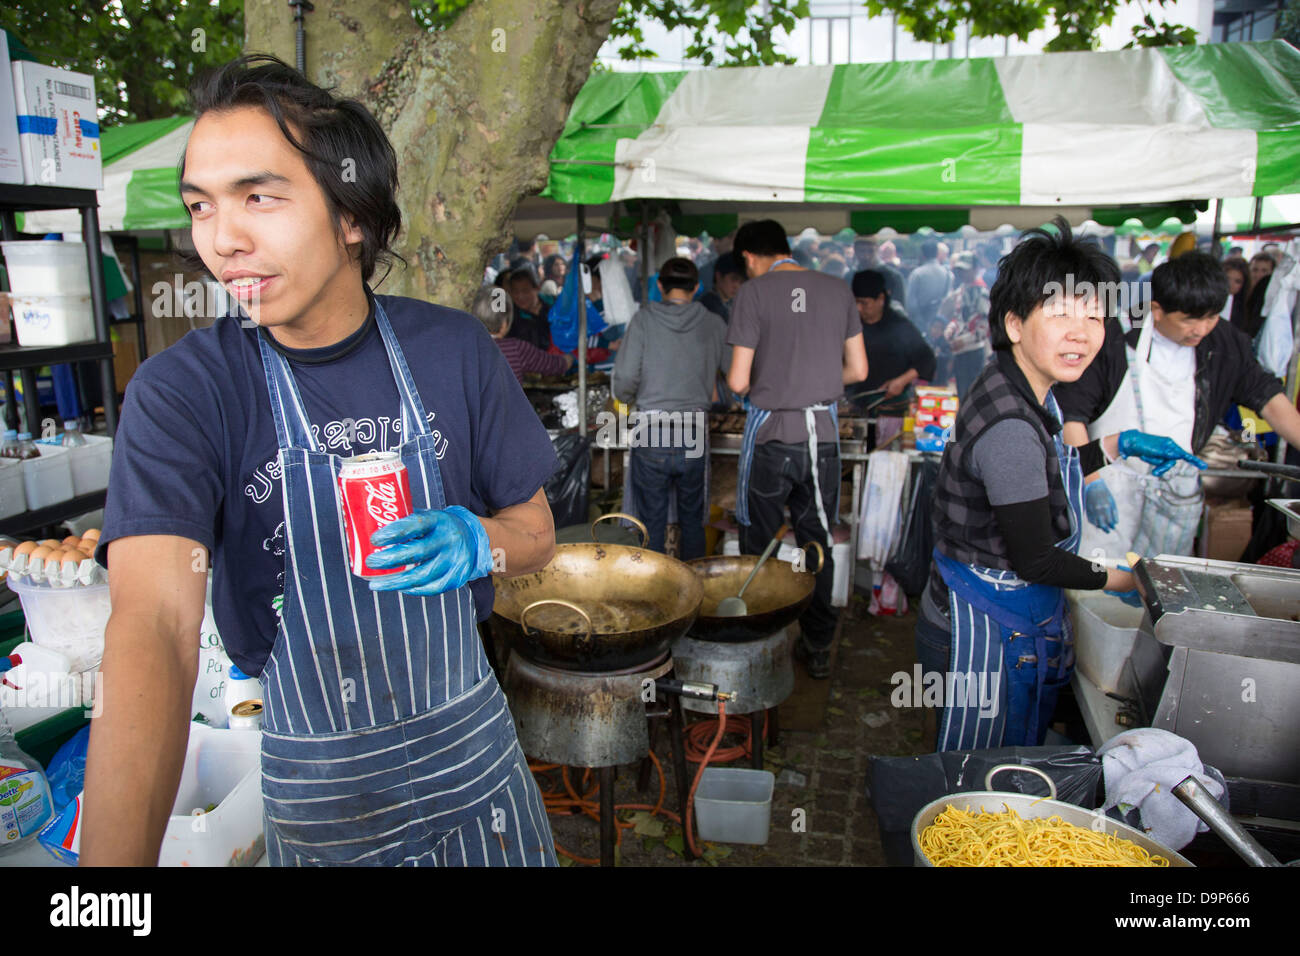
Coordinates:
472	112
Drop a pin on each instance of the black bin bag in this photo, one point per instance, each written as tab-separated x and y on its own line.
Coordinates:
898	787
567	489
910	565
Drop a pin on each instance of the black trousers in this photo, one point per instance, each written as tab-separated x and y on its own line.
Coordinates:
781	477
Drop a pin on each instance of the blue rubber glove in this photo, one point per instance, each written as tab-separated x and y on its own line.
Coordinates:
1099	506
448	549
1156	450
1132	598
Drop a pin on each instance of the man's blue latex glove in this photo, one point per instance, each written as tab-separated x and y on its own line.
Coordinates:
448	549
1099	506
1132	598
1156	450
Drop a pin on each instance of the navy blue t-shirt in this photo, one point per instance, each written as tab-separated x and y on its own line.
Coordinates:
196	455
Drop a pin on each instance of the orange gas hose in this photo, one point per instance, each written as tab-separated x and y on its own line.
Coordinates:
568	800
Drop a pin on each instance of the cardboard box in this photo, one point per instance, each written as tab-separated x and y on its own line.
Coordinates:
1227	530
11	159
935	406
58	127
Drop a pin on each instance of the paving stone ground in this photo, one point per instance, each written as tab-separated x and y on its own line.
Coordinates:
840	825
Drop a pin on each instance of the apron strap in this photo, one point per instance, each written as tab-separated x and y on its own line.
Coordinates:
754	420
414	423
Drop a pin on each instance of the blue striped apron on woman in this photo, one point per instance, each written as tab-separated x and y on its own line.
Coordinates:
386	739
1012	645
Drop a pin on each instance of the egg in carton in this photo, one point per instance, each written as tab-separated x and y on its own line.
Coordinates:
60	564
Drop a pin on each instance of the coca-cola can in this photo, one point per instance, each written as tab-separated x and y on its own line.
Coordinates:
376	492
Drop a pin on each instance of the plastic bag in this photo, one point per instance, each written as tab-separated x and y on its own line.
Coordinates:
67	769
567	488
898	787
910	566
563	316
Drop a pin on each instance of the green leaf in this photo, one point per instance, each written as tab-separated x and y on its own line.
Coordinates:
835	711
676	843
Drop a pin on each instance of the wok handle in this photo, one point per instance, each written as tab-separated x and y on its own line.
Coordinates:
1199	801
645	535
821	554
582	642
988	777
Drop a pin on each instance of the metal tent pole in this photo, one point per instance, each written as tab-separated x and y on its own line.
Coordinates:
582	332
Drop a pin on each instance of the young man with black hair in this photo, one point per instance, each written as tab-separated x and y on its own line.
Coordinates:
796	342
667	366
385	737
531	323
728	275
897	355
866	255
1176	376
1007	504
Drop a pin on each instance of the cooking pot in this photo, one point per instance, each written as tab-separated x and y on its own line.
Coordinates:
992	801
598	607
775	598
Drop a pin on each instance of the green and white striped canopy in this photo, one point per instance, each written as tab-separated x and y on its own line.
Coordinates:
1134	126
141	184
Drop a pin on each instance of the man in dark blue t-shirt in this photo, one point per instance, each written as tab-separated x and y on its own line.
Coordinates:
384	732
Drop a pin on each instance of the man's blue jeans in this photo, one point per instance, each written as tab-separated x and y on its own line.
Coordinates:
659	472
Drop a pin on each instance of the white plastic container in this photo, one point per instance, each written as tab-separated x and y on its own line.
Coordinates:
13	492
53	319
1105	630
733	805
90	464
47	267
48	479
68	620
222	767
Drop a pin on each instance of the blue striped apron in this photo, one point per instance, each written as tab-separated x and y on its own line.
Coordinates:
1012	645
386	739
754	419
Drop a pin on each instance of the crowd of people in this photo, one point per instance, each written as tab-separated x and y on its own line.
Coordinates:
717	330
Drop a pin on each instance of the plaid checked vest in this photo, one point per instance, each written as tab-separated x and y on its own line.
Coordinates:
965	528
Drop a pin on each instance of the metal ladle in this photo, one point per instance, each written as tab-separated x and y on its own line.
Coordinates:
1199	801
735	606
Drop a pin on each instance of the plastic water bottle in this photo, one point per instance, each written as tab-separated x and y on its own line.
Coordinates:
9	448
26	447
25	803
72	437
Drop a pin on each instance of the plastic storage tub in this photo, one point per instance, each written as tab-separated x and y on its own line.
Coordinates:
68	620
13	492
53	319
48	479
734	805
222	767
41	267
90	464
1105	629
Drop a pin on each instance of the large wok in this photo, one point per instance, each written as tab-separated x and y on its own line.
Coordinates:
598	607
775	598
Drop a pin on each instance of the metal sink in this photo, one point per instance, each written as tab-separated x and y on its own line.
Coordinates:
1222	606
1270	597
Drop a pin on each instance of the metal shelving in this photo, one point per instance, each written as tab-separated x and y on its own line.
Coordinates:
25	361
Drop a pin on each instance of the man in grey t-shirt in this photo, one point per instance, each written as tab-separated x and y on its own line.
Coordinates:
797	341
927	286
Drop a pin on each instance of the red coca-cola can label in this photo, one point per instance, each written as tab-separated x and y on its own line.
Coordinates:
376	492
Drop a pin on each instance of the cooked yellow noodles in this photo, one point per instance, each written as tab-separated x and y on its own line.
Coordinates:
961	838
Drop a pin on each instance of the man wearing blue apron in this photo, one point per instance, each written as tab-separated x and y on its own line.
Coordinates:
797	341
1007	504
386	739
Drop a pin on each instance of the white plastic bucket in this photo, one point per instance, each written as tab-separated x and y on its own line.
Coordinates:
46	267
13	492
733	805
53	319
47	479
68	620
90	464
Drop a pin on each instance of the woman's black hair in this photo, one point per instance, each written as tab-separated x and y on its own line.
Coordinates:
1193	284
548	264
1044	264
343	145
